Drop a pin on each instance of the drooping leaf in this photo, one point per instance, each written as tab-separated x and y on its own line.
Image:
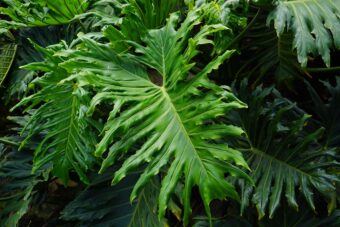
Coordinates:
315	24
282	154
7	53
171	112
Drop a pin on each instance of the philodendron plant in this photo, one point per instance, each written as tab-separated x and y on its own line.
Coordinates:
128	104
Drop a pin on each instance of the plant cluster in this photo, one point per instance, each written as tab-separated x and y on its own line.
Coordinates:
169	113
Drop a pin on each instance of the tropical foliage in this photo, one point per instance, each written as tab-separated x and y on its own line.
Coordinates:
169	113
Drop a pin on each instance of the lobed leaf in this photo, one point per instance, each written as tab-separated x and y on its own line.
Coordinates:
172	118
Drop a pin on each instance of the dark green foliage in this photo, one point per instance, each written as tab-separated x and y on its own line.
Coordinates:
327	112
305	217
17	84
111	204
16	184
283	155
266	55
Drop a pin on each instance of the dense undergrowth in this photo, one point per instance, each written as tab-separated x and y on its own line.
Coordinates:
169	113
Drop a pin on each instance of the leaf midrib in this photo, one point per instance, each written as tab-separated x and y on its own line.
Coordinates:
265	155
71	125
184	131
300	1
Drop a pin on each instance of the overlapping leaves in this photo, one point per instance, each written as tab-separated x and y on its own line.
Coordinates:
41	12
16	185
265	56
167	110
16	179
17	84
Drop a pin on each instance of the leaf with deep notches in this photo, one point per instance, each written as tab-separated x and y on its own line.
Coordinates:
174	119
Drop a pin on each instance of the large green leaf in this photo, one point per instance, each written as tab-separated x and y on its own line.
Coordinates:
166	109
111	206
282	153
7	53
27	13
315	24
59	117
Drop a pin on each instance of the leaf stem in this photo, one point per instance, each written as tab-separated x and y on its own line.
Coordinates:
239	36
321	70
8	142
